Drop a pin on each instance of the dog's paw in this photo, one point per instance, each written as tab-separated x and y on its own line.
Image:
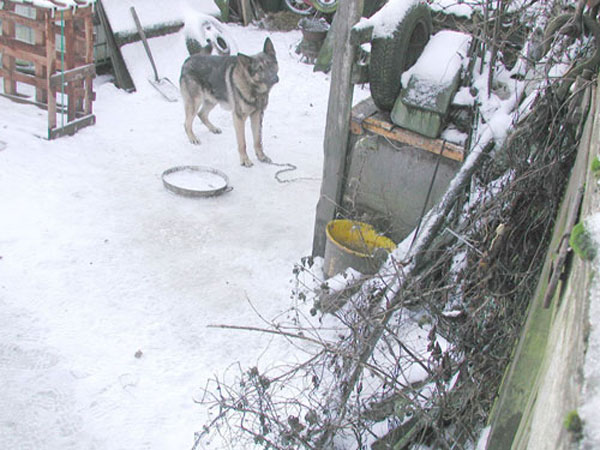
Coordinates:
194	140
264	158
246	162
216	130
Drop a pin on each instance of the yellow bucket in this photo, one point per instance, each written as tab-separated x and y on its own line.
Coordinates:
354	244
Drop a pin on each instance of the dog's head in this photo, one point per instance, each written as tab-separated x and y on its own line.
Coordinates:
262	68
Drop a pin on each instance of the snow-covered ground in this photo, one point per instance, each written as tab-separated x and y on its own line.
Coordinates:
108	281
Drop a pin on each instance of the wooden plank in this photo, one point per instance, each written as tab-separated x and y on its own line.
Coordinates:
366	116
69	14
21	50
122	76
25	100
70	76
22	20
21	77
451	151
246	11
128	37
18	98
72	127
360	112
338	120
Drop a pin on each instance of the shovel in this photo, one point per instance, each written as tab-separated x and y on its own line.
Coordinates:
162	85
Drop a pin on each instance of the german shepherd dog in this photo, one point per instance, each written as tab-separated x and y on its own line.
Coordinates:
239	83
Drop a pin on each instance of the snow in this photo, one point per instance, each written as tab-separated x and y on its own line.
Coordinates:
108	281
463	97
483	438
454	7
442	58
206	30
466	8
154	13
386	20
69	4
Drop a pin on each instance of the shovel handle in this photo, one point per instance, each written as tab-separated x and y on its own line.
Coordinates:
140	30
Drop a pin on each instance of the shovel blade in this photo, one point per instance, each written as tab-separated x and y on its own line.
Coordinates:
166	88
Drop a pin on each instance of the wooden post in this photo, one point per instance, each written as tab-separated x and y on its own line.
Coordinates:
8	62
246	11
50	68
89	59
41	95
338	119
68	48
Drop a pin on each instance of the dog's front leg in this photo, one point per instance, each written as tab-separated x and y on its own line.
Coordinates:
239	123
256	121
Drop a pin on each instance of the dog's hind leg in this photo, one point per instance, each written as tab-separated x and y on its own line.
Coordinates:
207	107
239	123
256	121
191	104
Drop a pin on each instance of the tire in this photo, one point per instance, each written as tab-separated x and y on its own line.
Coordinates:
299	7
372	6
391	56
325	6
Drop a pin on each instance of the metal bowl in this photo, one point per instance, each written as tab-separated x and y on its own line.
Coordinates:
195	181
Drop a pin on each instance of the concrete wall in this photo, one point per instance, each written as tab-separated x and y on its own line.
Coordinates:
387	183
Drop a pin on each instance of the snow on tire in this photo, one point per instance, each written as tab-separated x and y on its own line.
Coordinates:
391	56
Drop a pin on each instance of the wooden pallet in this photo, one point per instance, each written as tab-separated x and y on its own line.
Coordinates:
66	69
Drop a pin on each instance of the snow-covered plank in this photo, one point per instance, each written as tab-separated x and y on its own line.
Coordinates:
57	5
153	12
430	84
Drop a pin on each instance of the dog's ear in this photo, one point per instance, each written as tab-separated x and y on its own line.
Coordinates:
268	48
